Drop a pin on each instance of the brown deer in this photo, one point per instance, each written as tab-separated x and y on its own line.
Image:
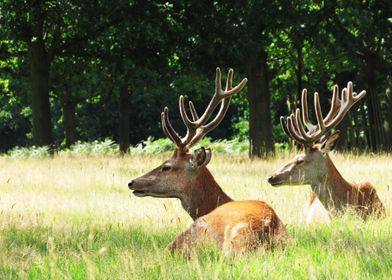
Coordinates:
235	226
313	165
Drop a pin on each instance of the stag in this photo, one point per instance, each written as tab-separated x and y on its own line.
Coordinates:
314	166
235	226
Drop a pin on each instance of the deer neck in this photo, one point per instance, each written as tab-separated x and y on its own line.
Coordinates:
204	195
331	188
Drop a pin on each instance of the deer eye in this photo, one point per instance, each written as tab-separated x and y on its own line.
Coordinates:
300	161
166	168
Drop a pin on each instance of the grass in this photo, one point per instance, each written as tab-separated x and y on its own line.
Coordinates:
71	217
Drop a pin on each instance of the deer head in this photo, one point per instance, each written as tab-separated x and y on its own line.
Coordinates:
185	173
311	164
174	176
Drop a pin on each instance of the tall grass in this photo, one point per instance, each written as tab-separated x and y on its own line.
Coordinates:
65	217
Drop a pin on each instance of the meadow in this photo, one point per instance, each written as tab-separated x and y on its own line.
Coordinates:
73	217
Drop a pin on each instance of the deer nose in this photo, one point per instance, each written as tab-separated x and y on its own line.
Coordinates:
130	183
270	178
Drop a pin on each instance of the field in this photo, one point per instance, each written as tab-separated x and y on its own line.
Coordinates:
74	218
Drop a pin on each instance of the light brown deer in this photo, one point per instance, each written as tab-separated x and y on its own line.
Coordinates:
235	226
313	165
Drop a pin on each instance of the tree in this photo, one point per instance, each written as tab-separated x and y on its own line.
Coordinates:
42	30
14	111
363	29
99	70
87	80
234	34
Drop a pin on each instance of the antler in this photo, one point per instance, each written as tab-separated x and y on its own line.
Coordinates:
294	127
197	127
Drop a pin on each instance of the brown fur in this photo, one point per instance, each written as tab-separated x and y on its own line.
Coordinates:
204	195
313	166
362	196
237	226
312	198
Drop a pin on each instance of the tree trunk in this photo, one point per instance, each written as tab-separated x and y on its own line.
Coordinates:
69	117
346	139
124	117
39	75
298	75
388	124
39	78
367	129
260	126
376	129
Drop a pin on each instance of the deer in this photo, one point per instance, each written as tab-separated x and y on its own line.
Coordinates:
234	226
314	166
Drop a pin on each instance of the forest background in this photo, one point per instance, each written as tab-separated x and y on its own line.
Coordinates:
77	70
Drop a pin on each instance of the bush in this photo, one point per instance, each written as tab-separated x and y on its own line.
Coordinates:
162	145
29	152
102	148
232	146
150	146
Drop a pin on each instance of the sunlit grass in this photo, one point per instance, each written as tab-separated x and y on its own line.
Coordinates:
74	218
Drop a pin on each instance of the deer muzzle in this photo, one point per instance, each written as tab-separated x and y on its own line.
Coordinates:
139	187
275	180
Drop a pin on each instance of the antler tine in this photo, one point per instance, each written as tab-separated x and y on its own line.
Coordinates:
305	111
220	94
226	95
319	114
229	80
188	123
168	129
291	123
349	98
294	127
197	127
335	104
234	90
210	108
289	128
300	127
357	96
283	123
204	129
195	117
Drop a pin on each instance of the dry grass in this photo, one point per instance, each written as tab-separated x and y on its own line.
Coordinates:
74	217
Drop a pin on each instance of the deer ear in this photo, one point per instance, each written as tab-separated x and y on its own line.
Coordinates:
201	157
329	143
208	156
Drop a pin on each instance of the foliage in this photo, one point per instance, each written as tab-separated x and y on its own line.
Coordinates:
160	51
96	148
151	146
234	146
29	152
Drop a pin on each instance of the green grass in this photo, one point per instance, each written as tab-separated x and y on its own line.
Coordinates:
72	217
